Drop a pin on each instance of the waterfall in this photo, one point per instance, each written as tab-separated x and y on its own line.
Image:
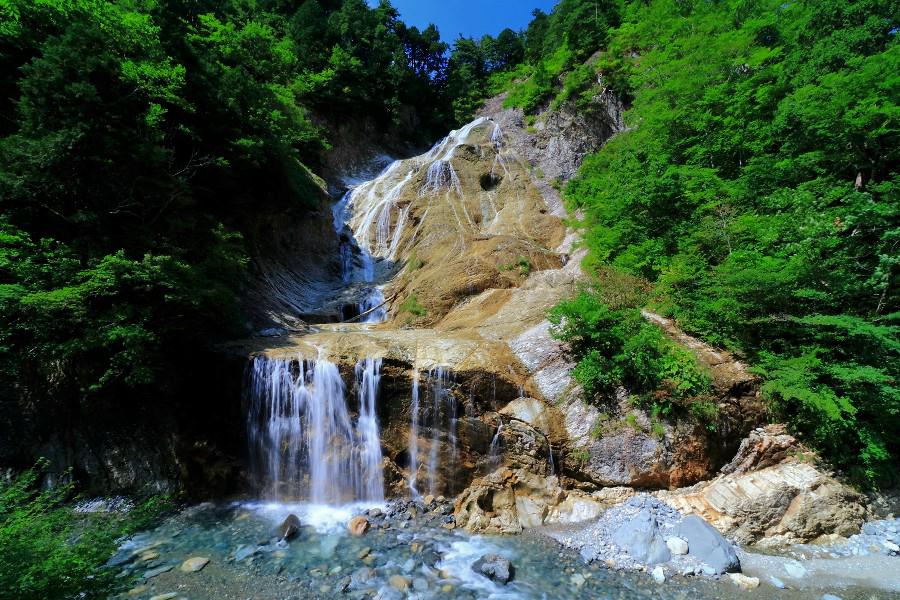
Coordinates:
494	453
439	378
303	442
437	412
414	436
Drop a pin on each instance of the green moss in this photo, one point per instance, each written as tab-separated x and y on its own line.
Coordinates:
411	306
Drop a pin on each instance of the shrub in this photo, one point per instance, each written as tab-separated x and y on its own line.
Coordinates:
50	551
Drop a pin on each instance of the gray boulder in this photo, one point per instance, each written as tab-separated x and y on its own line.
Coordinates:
494	567
708	545
640	537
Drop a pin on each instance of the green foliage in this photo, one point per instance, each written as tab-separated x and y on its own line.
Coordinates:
534	60
757	190
523	266
133	180
414	263
411	306
51	552
616	346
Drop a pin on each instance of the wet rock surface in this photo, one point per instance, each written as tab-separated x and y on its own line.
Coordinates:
406	554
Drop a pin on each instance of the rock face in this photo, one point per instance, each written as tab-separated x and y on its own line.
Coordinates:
763	448
786	503
494	567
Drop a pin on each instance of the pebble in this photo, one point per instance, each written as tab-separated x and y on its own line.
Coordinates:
659	575
363	553
137	591
167	596
148	556
830	597
399	582
194	564
158	571
578	579
744	582
447	588
776	582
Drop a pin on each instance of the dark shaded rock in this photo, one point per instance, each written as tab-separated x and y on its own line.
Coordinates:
708	545
289	528
494	567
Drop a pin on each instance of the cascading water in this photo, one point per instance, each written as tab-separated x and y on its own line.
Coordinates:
438	413
414	436
494	453
443	408
303	442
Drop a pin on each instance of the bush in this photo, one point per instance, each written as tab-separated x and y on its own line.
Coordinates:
618	347
50	551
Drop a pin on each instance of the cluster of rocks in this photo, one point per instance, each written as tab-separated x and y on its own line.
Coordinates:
645	534
876	537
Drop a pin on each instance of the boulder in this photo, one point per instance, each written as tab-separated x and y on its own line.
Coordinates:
289	528
792	502
640	537
708	545
358	525
494	567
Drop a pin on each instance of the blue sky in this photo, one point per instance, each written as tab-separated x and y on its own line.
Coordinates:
472	18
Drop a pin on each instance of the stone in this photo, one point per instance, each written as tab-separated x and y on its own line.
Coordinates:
795	569
428	499
776	583
744	582
830	597
362	576
166	596
708	545
399	582
194	564
363	553
578	579
375	512
289	528
677	546
658	574
494	567
137	591
640	537
245	552
158	571
358	525
420	584
343	585
148	556
446	588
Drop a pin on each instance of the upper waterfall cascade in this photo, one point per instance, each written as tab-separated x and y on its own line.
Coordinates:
308	438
